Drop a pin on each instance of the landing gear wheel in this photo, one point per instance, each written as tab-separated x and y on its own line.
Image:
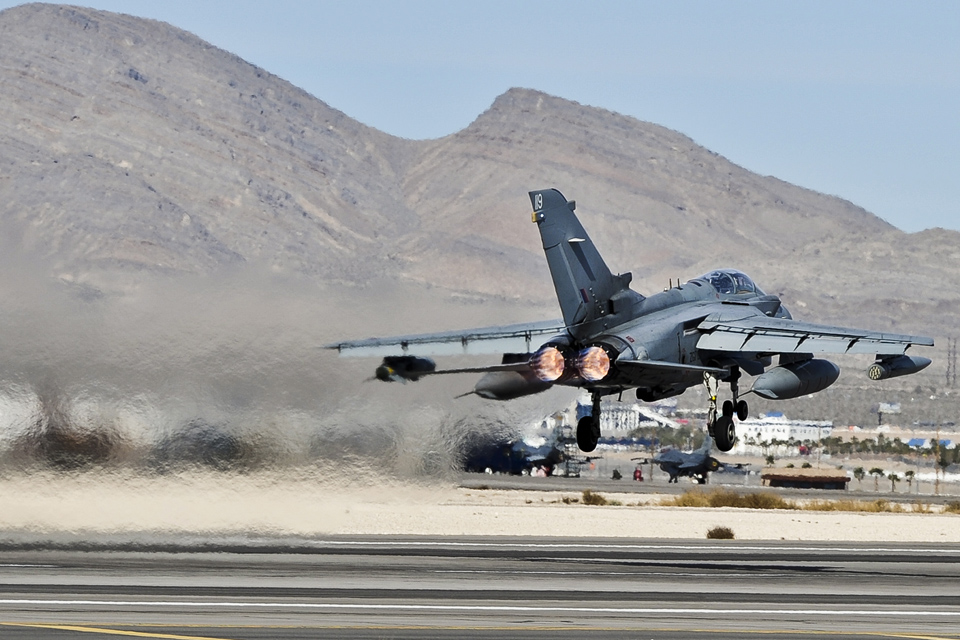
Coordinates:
742	410
727	409
588	434
724	433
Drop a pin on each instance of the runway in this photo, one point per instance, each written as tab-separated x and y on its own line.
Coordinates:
387	587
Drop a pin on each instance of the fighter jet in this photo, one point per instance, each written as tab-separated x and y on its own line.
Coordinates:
513	455
612	339
695	464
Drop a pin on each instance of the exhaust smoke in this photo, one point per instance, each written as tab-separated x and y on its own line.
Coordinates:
211	371
197	382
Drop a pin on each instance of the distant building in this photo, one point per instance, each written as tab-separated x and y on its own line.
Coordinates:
775	426
920	443
627	416
805	479
755	435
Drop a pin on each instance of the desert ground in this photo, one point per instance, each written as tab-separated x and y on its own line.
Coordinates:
49	507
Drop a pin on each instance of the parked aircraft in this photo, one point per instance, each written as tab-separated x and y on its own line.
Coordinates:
511	455
612	339
695	464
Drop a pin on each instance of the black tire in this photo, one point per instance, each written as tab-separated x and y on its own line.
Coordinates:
724	433
743	410
727	409
588	433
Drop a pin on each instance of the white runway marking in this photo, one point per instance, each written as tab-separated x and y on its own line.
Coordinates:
630	547
728	612
626	574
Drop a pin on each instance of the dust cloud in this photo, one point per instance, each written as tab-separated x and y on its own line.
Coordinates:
194	380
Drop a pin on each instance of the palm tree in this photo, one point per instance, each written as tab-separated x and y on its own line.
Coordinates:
859	473
877	473
894	479
909	476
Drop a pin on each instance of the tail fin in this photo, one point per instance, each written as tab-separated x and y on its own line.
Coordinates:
586	289
706	446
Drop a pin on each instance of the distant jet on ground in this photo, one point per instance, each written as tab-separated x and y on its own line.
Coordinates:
510	455
613	339
695	464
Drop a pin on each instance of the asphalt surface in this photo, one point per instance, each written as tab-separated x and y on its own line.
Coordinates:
386	587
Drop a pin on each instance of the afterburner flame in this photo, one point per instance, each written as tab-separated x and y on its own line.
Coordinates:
594	364
547	363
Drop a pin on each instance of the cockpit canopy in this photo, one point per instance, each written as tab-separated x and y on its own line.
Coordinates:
730	281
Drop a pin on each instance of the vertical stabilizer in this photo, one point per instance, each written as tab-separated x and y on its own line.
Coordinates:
586	289
706	447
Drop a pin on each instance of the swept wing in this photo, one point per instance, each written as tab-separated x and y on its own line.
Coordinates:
515	338
762	334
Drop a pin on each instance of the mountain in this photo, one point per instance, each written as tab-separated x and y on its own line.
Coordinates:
131	149
129	144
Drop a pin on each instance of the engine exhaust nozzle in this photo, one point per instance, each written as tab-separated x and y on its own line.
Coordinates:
548	364
593	364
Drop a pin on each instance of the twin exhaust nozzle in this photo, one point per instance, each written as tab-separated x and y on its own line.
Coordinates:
593	364
550	364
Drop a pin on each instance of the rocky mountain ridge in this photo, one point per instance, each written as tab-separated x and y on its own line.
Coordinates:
132	149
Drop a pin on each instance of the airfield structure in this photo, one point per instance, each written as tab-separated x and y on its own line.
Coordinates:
625	416
806	479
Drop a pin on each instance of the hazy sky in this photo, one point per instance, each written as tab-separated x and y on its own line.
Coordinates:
855	99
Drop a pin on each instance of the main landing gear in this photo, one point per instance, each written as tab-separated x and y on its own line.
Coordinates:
588	429
721	427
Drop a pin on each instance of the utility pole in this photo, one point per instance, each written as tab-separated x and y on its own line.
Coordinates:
936	462
951	362
819	443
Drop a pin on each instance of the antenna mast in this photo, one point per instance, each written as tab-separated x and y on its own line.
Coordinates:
951	362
